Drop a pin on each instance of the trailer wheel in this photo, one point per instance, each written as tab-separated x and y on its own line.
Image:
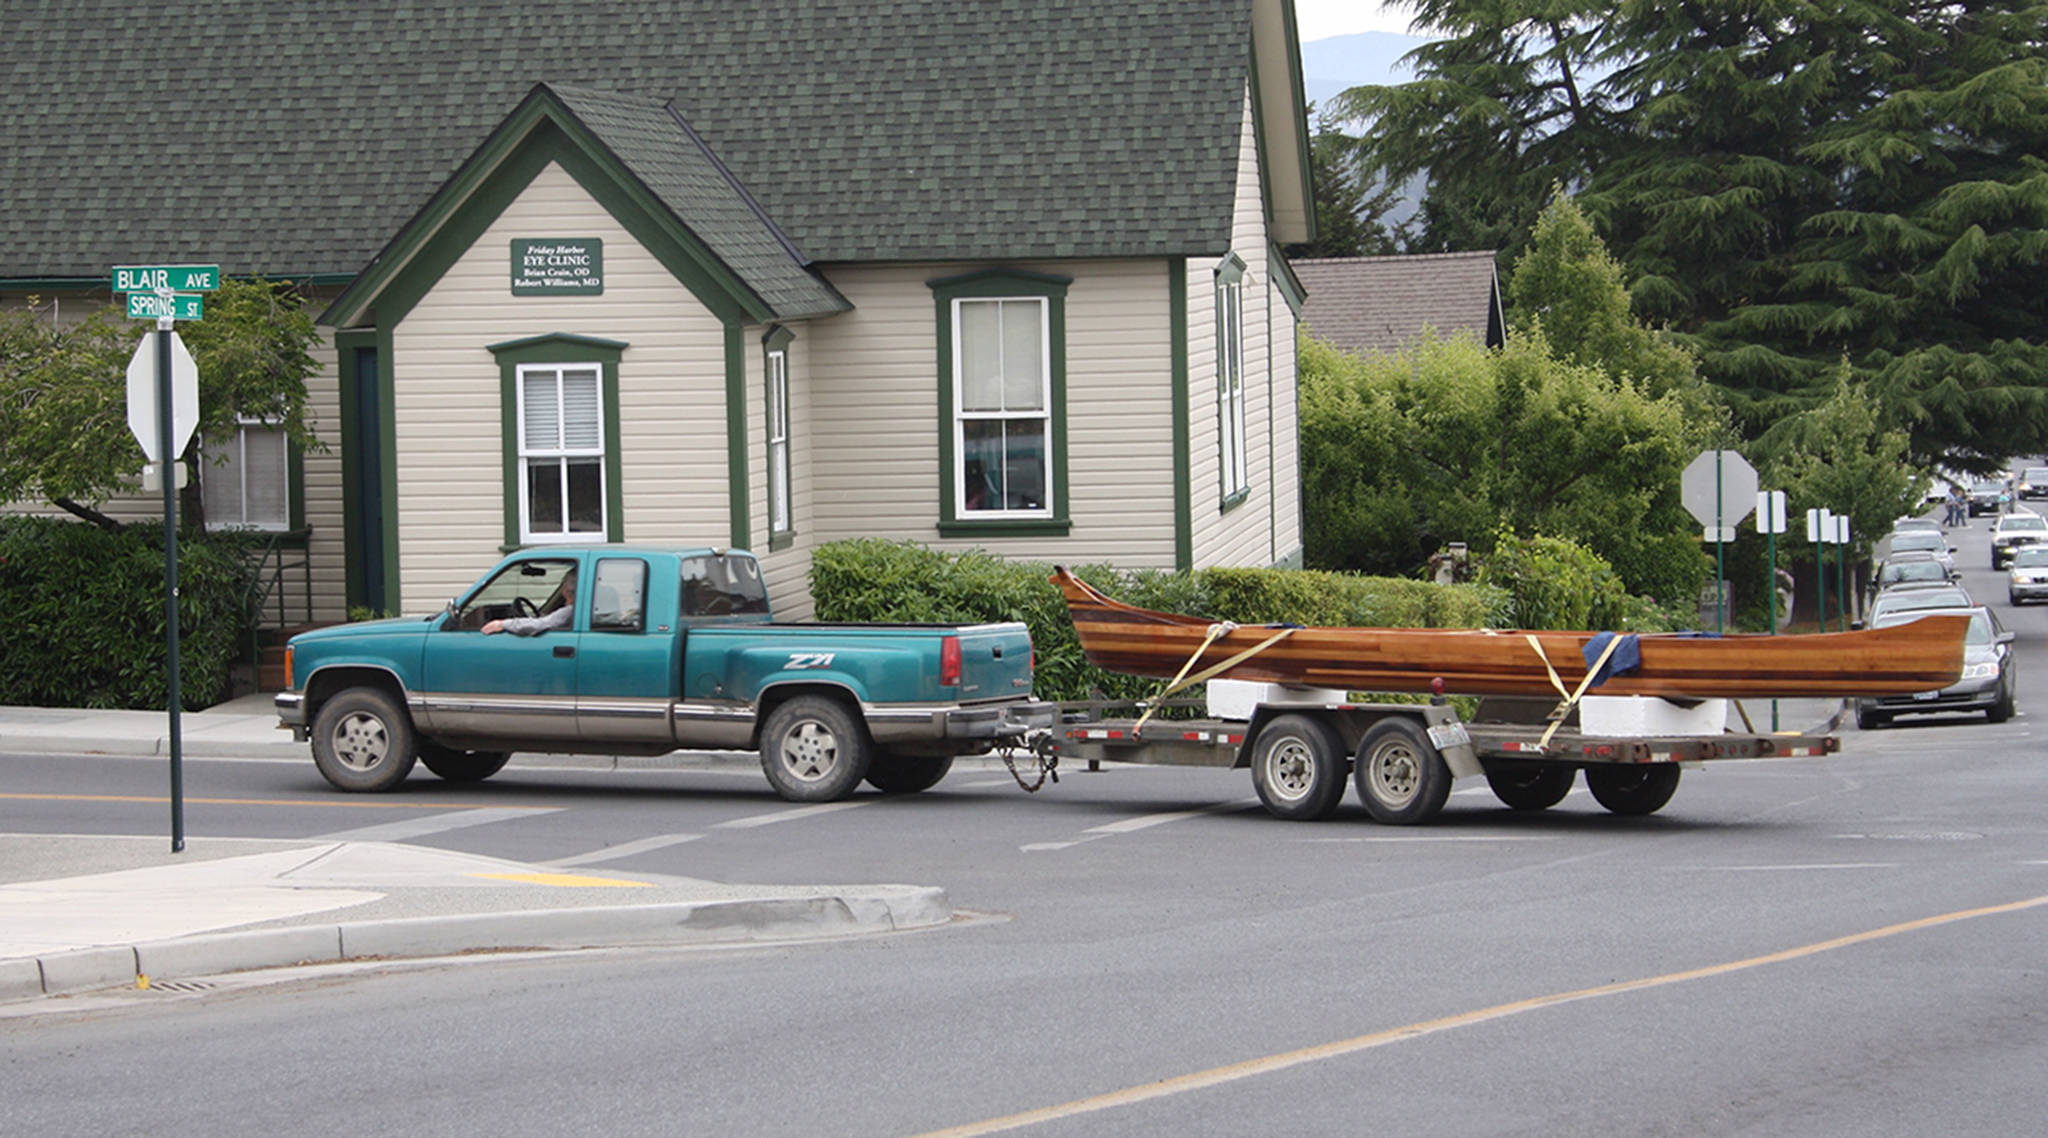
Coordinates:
814	750
907	774
1633	789
1298	766
1401	777
461	766
363	741
1530	787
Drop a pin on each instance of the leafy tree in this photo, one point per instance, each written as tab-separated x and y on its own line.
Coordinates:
1839	456
65	437
1786	185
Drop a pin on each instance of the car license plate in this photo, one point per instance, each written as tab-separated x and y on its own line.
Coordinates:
1926	695
1449	735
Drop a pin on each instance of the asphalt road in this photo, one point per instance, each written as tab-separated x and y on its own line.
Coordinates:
1830	946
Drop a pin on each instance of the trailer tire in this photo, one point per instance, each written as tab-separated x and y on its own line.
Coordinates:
1633	789
1401	778
363	741
892	773
1530	787
453	765
1868	720
1298	768
814	750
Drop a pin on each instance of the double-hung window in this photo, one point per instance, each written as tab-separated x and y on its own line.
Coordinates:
1002	418
1230	410
780	523
561	451
245	478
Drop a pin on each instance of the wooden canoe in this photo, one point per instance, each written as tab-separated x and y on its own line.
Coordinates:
1920	655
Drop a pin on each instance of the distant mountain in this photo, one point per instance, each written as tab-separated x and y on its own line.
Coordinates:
1358	60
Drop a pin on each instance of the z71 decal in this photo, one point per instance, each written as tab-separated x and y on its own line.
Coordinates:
810	660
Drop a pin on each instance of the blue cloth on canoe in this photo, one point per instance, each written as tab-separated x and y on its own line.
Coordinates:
1627	656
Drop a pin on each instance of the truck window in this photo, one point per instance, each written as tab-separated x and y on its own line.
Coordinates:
618	598
723	586
523	588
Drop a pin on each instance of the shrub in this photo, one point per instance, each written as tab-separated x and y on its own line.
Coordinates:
85	608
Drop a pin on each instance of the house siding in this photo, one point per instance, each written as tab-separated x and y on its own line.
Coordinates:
1263	528
786	571
873	423
447	394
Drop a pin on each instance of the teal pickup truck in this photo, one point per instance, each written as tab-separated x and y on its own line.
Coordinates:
613	649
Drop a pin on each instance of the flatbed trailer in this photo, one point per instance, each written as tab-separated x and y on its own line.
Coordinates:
1403	757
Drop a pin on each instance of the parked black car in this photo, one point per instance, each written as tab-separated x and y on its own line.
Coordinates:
1986	686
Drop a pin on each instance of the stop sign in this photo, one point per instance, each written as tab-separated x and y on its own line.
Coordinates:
142	410
1723	473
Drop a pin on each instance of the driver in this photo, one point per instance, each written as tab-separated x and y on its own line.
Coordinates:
557	613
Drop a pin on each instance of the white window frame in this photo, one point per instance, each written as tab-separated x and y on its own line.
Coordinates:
961	417
237	467
1230	411
527	454
780	519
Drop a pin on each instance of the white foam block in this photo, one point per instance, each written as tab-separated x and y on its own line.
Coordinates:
1636	715
1238	699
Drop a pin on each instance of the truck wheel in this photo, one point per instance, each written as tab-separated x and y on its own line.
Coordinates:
814	750
1298	767
1638	789
1400	776
363	741
907	774
461	766
1530	787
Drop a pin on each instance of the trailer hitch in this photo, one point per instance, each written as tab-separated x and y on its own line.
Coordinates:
1045	753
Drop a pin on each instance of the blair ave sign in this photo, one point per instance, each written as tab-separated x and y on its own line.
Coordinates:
557	266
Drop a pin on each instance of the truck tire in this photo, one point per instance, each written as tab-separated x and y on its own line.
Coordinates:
461	766
814	750
363	741
1633	789
1400	776
1298	767
892	773
1528	786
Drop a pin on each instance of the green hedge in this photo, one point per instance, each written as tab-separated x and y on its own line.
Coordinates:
85	616
875	580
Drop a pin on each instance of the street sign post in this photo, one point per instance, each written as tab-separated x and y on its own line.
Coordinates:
163	408
1719	487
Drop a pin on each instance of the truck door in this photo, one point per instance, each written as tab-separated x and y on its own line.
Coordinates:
629	666
504	684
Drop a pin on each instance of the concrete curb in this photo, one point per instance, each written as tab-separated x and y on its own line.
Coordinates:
882	909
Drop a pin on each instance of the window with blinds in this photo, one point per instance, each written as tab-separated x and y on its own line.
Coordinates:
245	479
1002	396
561	452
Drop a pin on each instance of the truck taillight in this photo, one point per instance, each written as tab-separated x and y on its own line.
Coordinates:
949	662
288	685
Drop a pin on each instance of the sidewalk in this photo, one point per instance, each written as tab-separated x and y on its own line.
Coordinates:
83	912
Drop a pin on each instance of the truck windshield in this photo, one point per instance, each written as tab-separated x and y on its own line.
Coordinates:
723	586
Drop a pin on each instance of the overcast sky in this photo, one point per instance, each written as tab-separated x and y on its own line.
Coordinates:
1321	19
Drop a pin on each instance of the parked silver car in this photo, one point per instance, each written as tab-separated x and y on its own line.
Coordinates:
1986	686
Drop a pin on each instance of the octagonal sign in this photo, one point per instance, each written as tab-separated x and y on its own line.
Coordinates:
1724	472
142	399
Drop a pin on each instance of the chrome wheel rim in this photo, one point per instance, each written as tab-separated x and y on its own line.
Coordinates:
361	741
1396	772
1290	770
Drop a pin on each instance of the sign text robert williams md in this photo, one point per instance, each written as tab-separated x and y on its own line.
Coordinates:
557	265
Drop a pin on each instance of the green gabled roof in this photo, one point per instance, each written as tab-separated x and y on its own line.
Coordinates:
297	138
641	161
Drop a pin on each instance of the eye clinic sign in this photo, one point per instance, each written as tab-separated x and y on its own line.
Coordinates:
557	266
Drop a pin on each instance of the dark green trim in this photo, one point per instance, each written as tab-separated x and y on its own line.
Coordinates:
736	433
1183	476
988	284
1230	270
1291	289
355	572
1302	141
1233	500
295	486
387	459
540	131
777	339
559	348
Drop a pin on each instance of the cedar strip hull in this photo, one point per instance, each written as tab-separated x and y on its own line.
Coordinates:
1920	655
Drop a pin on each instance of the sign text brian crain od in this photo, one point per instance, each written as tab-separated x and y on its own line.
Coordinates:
557	266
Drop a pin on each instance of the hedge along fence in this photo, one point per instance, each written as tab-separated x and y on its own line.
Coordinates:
876	580
85	616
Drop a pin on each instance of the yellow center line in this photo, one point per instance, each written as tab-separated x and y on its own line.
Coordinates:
1216	1076
349	803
